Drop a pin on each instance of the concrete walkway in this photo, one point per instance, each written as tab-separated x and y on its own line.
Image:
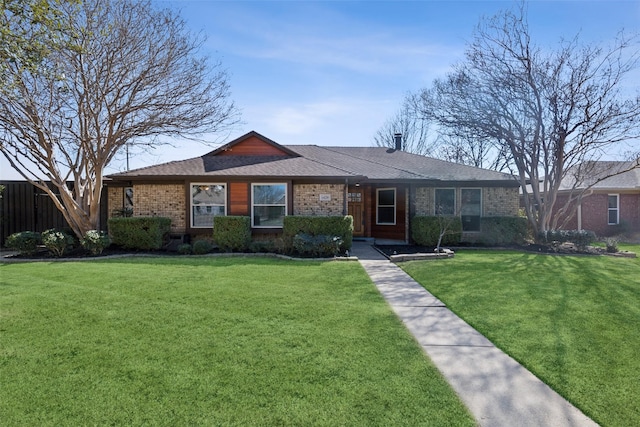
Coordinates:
497	390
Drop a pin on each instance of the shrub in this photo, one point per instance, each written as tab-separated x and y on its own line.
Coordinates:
25	242
141	233
581	238
318	246
340	226
184	249
232	233
202	247
503	230
95	241
611	244
56	241
425	230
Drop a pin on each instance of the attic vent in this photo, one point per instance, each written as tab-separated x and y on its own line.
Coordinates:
398	141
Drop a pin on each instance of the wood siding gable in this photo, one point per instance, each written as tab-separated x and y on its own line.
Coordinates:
253	144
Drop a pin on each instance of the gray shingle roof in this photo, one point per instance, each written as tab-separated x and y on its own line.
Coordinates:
626	176
378	163
371	163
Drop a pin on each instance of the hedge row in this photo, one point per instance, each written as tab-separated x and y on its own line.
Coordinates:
494	230
141	233
333	226
503	230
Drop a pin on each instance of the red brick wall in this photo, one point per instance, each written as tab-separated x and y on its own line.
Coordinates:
595	214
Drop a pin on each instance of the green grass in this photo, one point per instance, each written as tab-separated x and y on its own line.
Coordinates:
574	321
209	341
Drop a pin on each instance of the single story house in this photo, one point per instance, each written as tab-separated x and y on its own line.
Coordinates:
610	205
254	176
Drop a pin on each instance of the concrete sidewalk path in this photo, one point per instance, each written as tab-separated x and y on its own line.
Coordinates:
497	390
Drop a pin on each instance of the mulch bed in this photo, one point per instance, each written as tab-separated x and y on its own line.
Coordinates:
389	250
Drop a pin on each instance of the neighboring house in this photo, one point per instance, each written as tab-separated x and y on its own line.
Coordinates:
254	176
610	205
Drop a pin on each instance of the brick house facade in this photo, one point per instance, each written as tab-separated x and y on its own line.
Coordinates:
595	214
610	205
254	176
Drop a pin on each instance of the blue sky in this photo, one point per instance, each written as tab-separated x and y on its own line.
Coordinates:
331	72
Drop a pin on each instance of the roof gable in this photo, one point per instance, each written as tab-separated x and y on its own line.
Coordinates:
252	144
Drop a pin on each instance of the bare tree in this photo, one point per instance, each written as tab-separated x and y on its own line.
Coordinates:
416	137
467	150
123	73
420	137
550	112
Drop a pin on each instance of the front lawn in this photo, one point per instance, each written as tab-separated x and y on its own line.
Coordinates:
574	321
209	341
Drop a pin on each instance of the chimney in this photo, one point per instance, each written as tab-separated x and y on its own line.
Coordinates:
398	140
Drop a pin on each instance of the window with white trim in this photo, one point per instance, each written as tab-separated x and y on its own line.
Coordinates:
268	205
470	208
613	211
207	201
386	206
445	201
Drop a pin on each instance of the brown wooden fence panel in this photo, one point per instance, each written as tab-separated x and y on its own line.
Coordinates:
26	208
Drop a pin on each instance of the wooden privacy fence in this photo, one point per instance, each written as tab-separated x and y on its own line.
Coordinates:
27	208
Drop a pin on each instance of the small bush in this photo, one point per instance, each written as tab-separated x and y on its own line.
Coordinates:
611	244
318	246
232	233
425	230
184	249
25	242
95	241
202	247
580	238
340	226
56	241
141	233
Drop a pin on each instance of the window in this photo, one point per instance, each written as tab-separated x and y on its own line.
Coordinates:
614	209
128	198
354	197
471	208
207	201
445	203
269	205
386	206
